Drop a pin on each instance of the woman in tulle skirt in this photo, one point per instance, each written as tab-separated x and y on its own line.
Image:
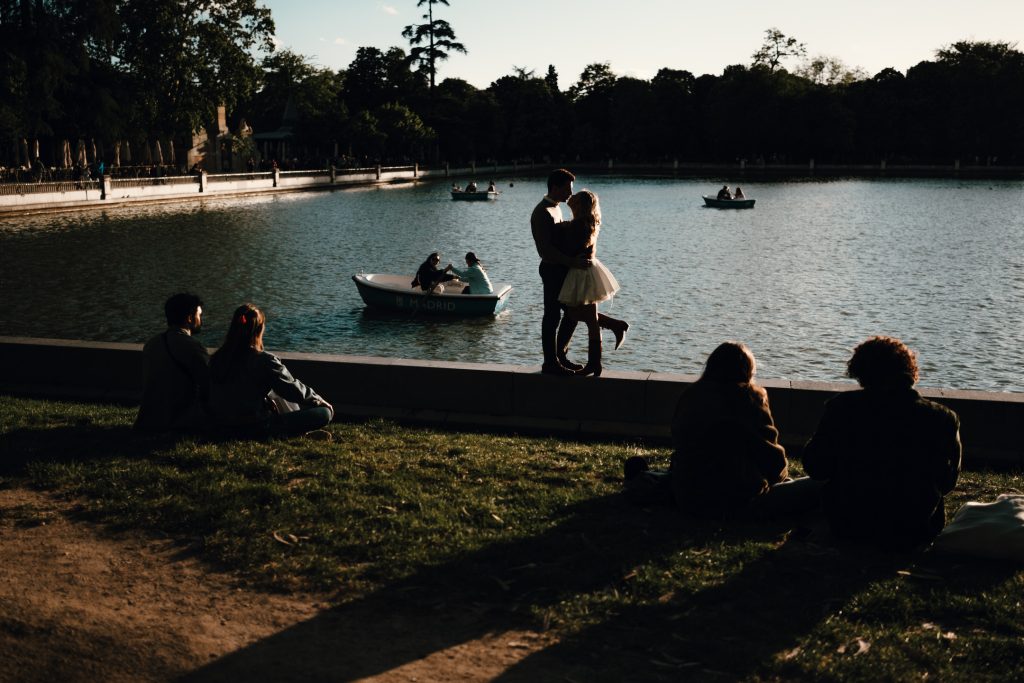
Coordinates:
585	288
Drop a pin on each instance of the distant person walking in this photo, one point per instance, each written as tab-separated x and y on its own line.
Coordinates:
176	370
546	225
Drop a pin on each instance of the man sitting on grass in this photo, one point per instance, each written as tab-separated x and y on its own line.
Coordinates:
177	374
887	455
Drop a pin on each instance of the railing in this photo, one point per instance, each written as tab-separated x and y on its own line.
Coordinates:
153	182
306	174
41	188
225	177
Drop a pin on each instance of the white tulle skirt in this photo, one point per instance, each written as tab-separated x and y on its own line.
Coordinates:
588	285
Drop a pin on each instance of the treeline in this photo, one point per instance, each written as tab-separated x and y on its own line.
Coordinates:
151	69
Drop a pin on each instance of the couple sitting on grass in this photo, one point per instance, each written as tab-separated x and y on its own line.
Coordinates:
241	390
880	462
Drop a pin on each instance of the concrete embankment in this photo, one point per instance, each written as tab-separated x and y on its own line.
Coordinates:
620	405
29	197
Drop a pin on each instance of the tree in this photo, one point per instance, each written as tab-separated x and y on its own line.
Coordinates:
438	36
596	79
776	47
404	132
826	70
184	59
551	78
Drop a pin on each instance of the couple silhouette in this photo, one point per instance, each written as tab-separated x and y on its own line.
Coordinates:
574	280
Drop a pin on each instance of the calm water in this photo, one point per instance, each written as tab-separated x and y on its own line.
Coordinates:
815	268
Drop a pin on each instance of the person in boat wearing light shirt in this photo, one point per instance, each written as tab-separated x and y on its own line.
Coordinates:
492	187
475	276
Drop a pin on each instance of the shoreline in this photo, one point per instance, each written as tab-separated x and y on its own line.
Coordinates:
23	199
620	405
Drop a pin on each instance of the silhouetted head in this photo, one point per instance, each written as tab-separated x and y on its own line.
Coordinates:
883	362
184	310
246	329
585	206
244	337
471	258
731	363
560	184
434	259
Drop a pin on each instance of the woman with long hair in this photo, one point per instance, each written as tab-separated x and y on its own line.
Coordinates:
253	390
585	288
727	450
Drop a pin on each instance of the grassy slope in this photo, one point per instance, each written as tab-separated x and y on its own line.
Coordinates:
534	532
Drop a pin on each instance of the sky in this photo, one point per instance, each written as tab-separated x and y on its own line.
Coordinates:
638	37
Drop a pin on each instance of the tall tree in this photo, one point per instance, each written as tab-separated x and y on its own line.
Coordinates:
438	36
776	47
184	59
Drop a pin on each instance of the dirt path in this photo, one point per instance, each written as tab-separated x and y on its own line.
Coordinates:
78	603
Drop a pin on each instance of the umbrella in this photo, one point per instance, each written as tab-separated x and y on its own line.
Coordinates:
117	152
127	152
81	153
158	153
147	155
65	154
24	152
170	151
35	146
95	157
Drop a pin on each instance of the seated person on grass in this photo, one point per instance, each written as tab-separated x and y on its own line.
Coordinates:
176	371
252	392
887	455
727	451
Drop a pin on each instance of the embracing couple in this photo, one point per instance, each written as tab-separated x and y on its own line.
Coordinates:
574	280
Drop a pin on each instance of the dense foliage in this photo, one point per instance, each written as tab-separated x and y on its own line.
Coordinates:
145	69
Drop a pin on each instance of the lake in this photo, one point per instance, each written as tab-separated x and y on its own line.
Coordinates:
815	268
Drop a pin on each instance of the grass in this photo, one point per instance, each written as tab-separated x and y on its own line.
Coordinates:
533	533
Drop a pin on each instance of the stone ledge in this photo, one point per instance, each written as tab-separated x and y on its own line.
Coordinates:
619	405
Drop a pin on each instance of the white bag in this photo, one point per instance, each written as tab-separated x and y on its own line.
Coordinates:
994	530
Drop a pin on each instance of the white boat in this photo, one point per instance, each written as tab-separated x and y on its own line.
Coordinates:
396	293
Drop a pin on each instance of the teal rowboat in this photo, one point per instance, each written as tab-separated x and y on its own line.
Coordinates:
394	293
729	203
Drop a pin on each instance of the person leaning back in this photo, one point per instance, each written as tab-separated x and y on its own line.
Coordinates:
176	370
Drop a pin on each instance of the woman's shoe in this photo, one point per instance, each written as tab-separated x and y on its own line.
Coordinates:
619	331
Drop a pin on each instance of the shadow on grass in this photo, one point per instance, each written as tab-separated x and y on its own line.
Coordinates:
74	443
730	627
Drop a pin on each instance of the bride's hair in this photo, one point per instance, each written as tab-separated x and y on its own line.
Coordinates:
585	206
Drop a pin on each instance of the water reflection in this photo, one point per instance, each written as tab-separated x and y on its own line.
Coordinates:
802	278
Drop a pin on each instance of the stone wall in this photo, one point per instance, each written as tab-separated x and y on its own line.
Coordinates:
632	406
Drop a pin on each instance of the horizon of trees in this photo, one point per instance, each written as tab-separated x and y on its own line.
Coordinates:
128	69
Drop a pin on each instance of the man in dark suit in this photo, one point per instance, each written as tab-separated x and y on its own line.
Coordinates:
176	366
555	330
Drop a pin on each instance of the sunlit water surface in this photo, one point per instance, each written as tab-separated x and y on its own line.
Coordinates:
812	270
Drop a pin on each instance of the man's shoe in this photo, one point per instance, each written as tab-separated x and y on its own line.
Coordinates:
569	365
556	369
